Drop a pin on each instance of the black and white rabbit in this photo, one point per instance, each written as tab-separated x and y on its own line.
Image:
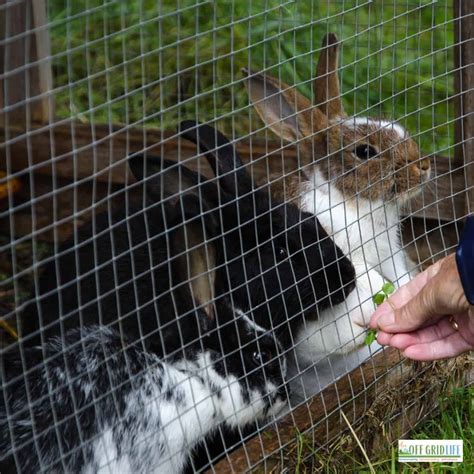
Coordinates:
272	258
94	402
276	255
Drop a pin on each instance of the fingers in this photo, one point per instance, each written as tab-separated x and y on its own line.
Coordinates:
452	346
438	341
433	293
412	315
402	296
426	335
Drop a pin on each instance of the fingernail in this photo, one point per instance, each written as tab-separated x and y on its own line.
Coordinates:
383	338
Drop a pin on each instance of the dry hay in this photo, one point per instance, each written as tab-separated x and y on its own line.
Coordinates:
395	412
381	406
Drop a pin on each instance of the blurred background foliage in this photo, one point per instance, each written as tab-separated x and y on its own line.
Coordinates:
153	63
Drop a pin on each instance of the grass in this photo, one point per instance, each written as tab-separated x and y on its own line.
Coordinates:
153	63
455	420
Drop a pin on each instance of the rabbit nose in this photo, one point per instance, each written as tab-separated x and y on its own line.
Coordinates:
425	164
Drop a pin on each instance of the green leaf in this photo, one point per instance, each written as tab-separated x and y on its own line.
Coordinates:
388	288
379	298
371	336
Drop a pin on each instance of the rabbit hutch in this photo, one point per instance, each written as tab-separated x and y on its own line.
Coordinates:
193	113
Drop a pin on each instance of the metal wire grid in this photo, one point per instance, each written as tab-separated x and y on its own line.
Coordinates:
141	64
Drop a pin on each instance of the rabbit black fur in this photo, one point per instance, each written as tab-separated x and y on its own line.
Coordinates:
272	258
277	256
93	402
122	272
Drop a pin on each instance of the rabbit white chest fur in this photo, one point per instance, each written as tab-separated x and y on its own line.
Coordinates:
367	232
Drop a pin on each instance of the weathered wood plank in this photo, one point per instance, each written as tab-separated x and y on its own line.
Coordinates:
24	41
323	407
82	151
464	98
45	111
383	399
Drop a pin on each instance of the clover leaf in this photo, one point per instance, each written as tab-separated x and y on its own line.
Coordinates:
387	289
371	336
379	298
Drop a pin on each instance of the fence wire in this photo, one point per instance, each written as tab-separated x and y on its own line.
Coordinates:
201	205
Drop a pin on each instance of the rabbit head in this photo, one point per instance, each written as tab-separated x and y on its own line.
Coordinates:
366	158
174	190
279	260
249	361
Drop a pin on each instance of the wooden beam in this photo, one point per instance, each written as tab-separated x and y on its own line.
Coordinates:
464	88
70	149
383	399
25	63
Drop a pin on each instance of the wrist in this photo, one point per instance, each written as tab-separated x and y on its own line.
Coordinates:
465	261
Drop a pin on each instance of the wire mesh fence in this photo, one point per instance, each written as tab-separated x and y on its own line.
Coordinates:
201	205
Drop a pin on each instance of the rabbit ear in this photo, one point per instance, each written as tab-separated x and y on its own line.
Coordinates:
146	170
197	256
221	155
287	112
163	178
192	208
326	85
202	264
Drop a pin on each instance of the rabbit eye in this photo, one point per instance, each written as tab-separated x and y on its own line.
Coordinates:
365	152
261	357
281	253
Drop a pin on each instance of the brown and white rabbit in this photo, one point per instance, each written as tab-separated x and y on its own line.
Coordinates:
358	173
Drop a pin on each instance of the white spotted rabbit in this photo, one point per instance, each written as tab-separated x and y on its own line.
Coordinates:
358	172
94	402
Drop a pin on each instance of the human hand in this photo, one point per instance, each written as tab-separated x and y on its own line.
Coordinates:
420	317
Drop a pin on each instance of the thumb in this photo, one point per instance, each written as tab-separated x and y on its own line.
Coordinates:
385	317
440	294
414	314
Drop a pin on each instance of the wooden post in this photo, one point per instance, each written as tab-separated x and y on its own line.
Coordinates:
464	87
25	63
43	53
